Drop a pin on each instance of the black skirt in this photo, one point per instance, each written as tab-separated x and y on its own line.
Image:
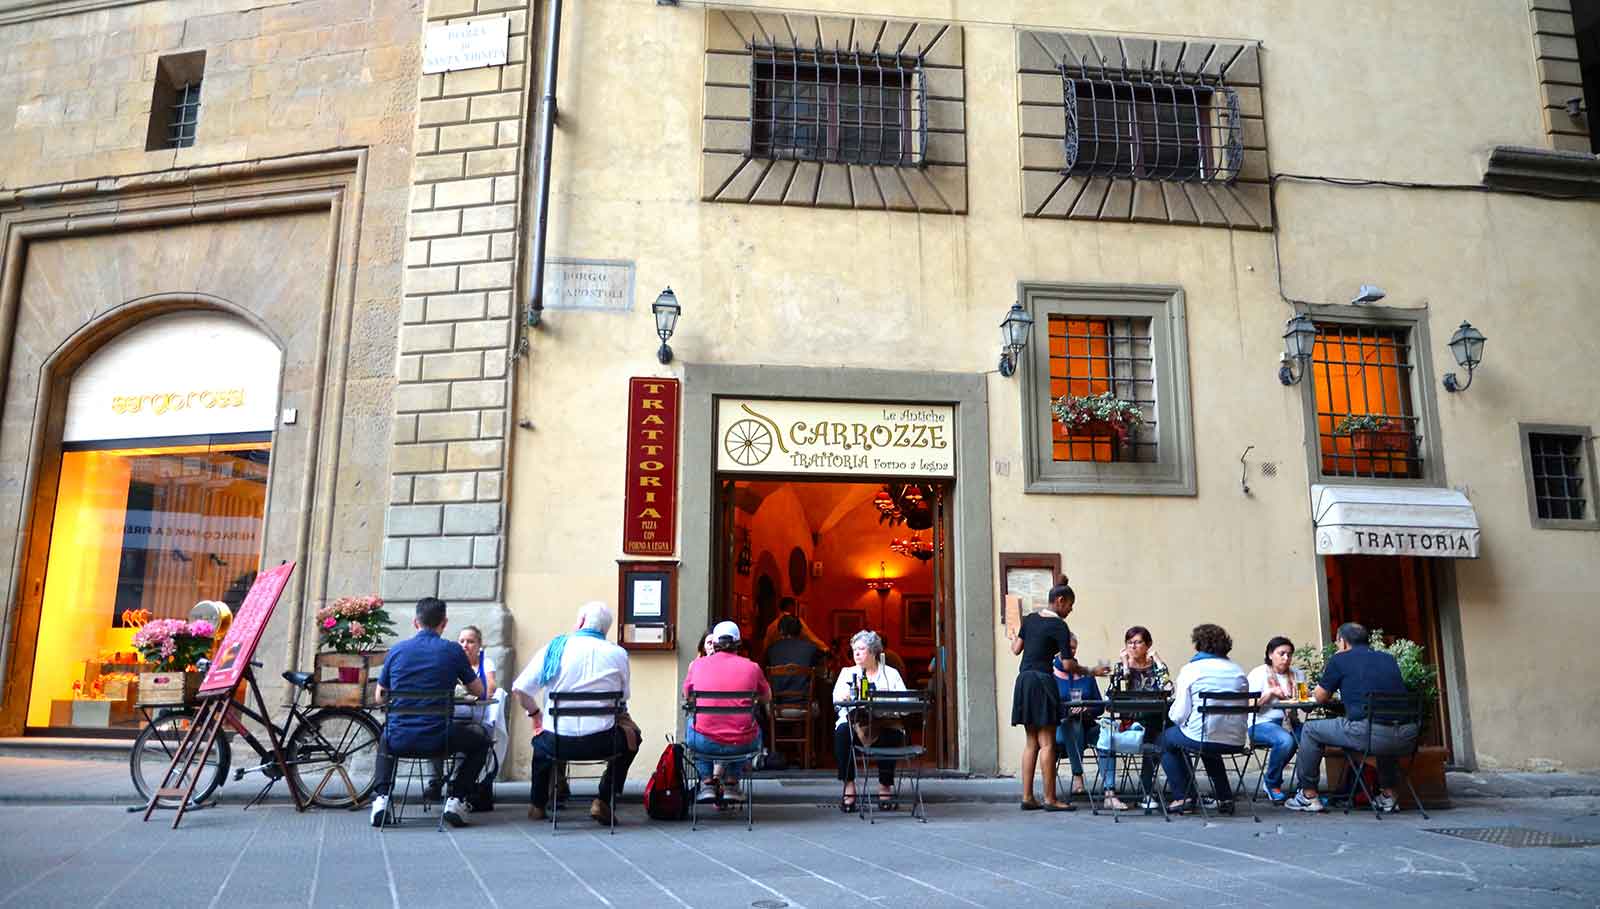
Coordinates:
1035	700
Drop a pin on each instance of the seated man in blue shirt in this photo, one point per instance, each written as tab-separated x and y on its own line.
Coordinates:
428	662
1356	671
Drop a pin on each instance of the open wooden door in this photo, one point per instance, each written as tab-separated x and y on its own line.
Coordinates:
943	738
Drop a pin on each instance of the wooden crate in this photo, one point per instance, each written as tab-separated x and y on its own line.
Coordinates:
332	692
164	689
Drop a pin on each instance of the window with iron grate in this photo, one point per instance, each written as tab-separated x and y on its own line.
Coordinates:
1147	129
1364	371
1092	356
1556	462
175	101
837	107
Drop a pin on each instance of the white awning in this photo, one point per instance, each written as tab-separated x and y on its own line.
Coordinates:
1393	520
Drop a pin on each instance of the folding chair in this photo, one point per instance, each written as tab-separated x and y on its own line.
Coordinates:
1135	705
700	702
1391	709
431	703
565	704
1224	703
892	705
794	712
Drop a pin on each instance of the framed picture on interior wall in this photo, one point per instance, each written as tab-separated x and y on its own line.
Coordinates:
847	622
918	620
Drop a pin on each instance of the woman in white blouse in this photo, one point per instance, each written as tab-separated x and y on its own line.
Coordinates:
1275	680
866	648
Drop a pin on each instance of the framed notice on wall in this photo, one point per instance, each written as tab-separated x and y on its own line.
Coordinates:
649	528
647	605
1027	576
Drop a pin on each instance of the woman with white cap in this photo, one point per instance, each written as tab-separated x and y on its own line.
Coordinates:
718	734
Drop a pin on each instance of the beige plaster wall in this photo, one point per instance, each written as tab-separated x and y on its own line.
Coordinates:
1345	96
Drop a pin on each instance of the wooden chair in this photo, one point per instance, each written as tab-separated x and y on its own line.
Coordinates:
794	711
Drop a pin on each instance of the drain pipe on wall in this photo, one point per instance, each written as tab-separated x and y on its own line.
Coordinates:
547	124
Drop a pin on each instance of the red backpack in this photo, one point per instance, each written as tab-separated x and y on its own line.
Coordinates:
665	796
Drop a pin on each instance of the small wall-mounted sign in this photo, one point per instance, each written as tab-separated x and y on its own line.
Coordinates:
597	284
466	45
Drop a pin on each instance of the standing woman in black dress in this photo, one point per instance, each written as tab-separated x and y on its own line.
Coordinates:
1035	701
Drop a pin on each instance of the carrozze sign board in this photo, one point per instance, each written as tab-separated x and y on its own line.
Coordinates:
233	657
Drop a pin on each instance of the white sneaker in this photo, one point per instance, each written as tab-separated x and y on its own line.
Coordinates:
708	792
1386	803
1149	803
455	812
1299	802
380	811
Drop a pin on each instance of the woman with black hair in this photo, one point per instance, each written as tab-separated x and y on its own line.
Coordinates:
1273	727
1035	701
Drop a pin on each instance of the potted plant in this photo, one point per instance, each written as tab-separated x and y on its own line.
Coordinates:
173	646
351	631
1373	433
1101	414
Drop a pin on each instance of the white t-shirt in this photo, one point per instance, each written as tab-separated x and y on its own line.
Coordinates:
885	679
1261	678
587	664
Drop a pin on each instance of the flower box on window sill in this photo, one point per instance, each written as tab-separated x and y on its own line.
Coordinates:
1380	440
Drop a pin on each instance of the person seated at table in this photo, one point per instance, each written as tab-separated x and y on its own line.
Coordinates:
1355	672
1272	727
428	662
1139	669
866	649
485	713
1077	726
786	607
1209	670
582	660
723	734
792	649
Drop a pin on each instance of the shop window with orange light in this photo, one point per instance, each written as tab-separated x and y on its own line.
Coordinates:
1124	344
1367	422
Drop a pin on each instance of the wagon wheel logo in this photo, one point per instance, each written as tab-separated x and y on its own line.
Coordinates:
749	441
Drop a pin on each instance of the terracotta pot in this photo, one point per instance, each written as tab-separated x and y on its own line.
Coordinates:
1380	440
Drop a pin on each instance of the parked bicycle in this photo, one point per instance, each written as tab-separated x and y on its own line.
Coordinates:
331	752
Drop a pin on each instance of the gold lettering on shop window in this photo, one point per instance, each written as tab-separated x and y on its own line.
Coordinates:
173	401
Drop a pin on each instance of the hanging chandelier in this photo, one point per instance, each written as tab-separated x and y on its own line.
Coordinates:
915	547
904	503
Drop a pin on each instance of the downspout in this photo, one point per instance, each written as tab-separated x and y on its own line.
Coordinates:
547	125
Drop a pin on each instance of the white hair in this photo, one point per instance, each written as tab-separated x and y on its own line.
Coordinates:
870	639
594	615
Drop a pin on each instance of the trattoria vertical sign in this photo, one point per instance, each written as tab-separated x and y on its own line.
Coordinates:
650	527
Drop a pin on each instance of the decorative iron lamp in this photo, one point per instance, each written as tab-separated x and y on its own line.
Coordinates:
1299	337
667	310
882	584
1014	332
1467	347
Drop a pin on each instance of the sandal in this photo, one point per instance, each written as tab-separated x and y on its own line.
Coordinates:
847	804
1030	805
1115	804
887	803
1059	806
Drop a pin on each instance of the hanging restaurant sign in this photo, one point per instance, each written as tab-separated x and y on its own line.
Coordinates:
835	438
650	526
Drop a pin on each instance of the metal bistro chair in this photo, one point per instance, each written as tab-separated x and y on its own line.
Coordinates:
1089	756
794	713
1224	703
698	703
1391	709
566	704
1135	705
431	703
892	705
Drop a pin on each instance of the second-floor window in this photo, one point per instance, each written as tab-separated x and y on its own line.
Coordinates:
1120	126
1367	421
1092	356
846	108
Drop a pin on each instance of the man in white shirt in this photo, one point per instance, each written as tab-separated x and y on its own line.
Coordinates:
1209	670
580	661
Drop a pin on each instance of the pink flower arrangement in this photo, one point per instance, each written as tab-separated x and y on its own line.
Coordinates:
354	624
173	644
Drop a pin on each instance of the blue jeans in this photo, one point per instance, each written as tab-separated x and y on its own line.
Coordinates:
1176	764
1070	740
707	748
1283	744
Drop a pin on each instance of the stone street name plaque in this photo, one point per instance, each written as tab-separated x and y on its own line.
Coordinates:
591	284
466	45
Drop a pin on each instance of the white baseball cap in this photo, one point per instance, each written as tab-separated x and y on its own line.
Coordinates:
726	630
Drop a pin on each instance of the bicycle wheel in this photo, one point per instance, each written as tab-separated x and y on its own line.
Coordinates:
152	755
332	740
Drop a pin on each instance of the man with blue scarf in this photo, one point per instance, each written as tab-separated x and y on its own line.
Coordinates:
581	660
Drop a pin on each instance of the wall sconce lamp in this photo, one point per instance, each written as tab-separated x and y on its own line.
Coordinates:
1014	332
1467	346
1299	336
667	311
881	584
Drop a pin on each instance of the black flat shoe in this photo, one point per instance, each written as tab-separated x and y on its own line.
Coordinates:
1031	806
1062	806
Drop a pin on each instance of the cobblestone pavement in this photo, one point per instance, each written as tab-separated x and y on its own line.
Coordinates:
970	854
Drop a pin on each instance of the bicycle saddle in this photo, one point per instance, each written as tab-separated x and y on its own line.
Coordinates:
299	679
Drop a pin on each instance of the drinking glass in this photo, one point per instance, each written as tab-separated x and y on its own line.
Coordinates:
1300	687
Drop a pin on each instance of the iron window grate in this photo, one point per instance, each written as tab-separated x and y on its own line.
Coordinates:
185	116
841	107
1150	126
1094	355
1558	476
1365	370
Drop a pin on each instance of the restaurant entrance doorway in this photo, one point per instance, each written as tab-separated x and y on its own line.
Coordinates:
852	556
1397	595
